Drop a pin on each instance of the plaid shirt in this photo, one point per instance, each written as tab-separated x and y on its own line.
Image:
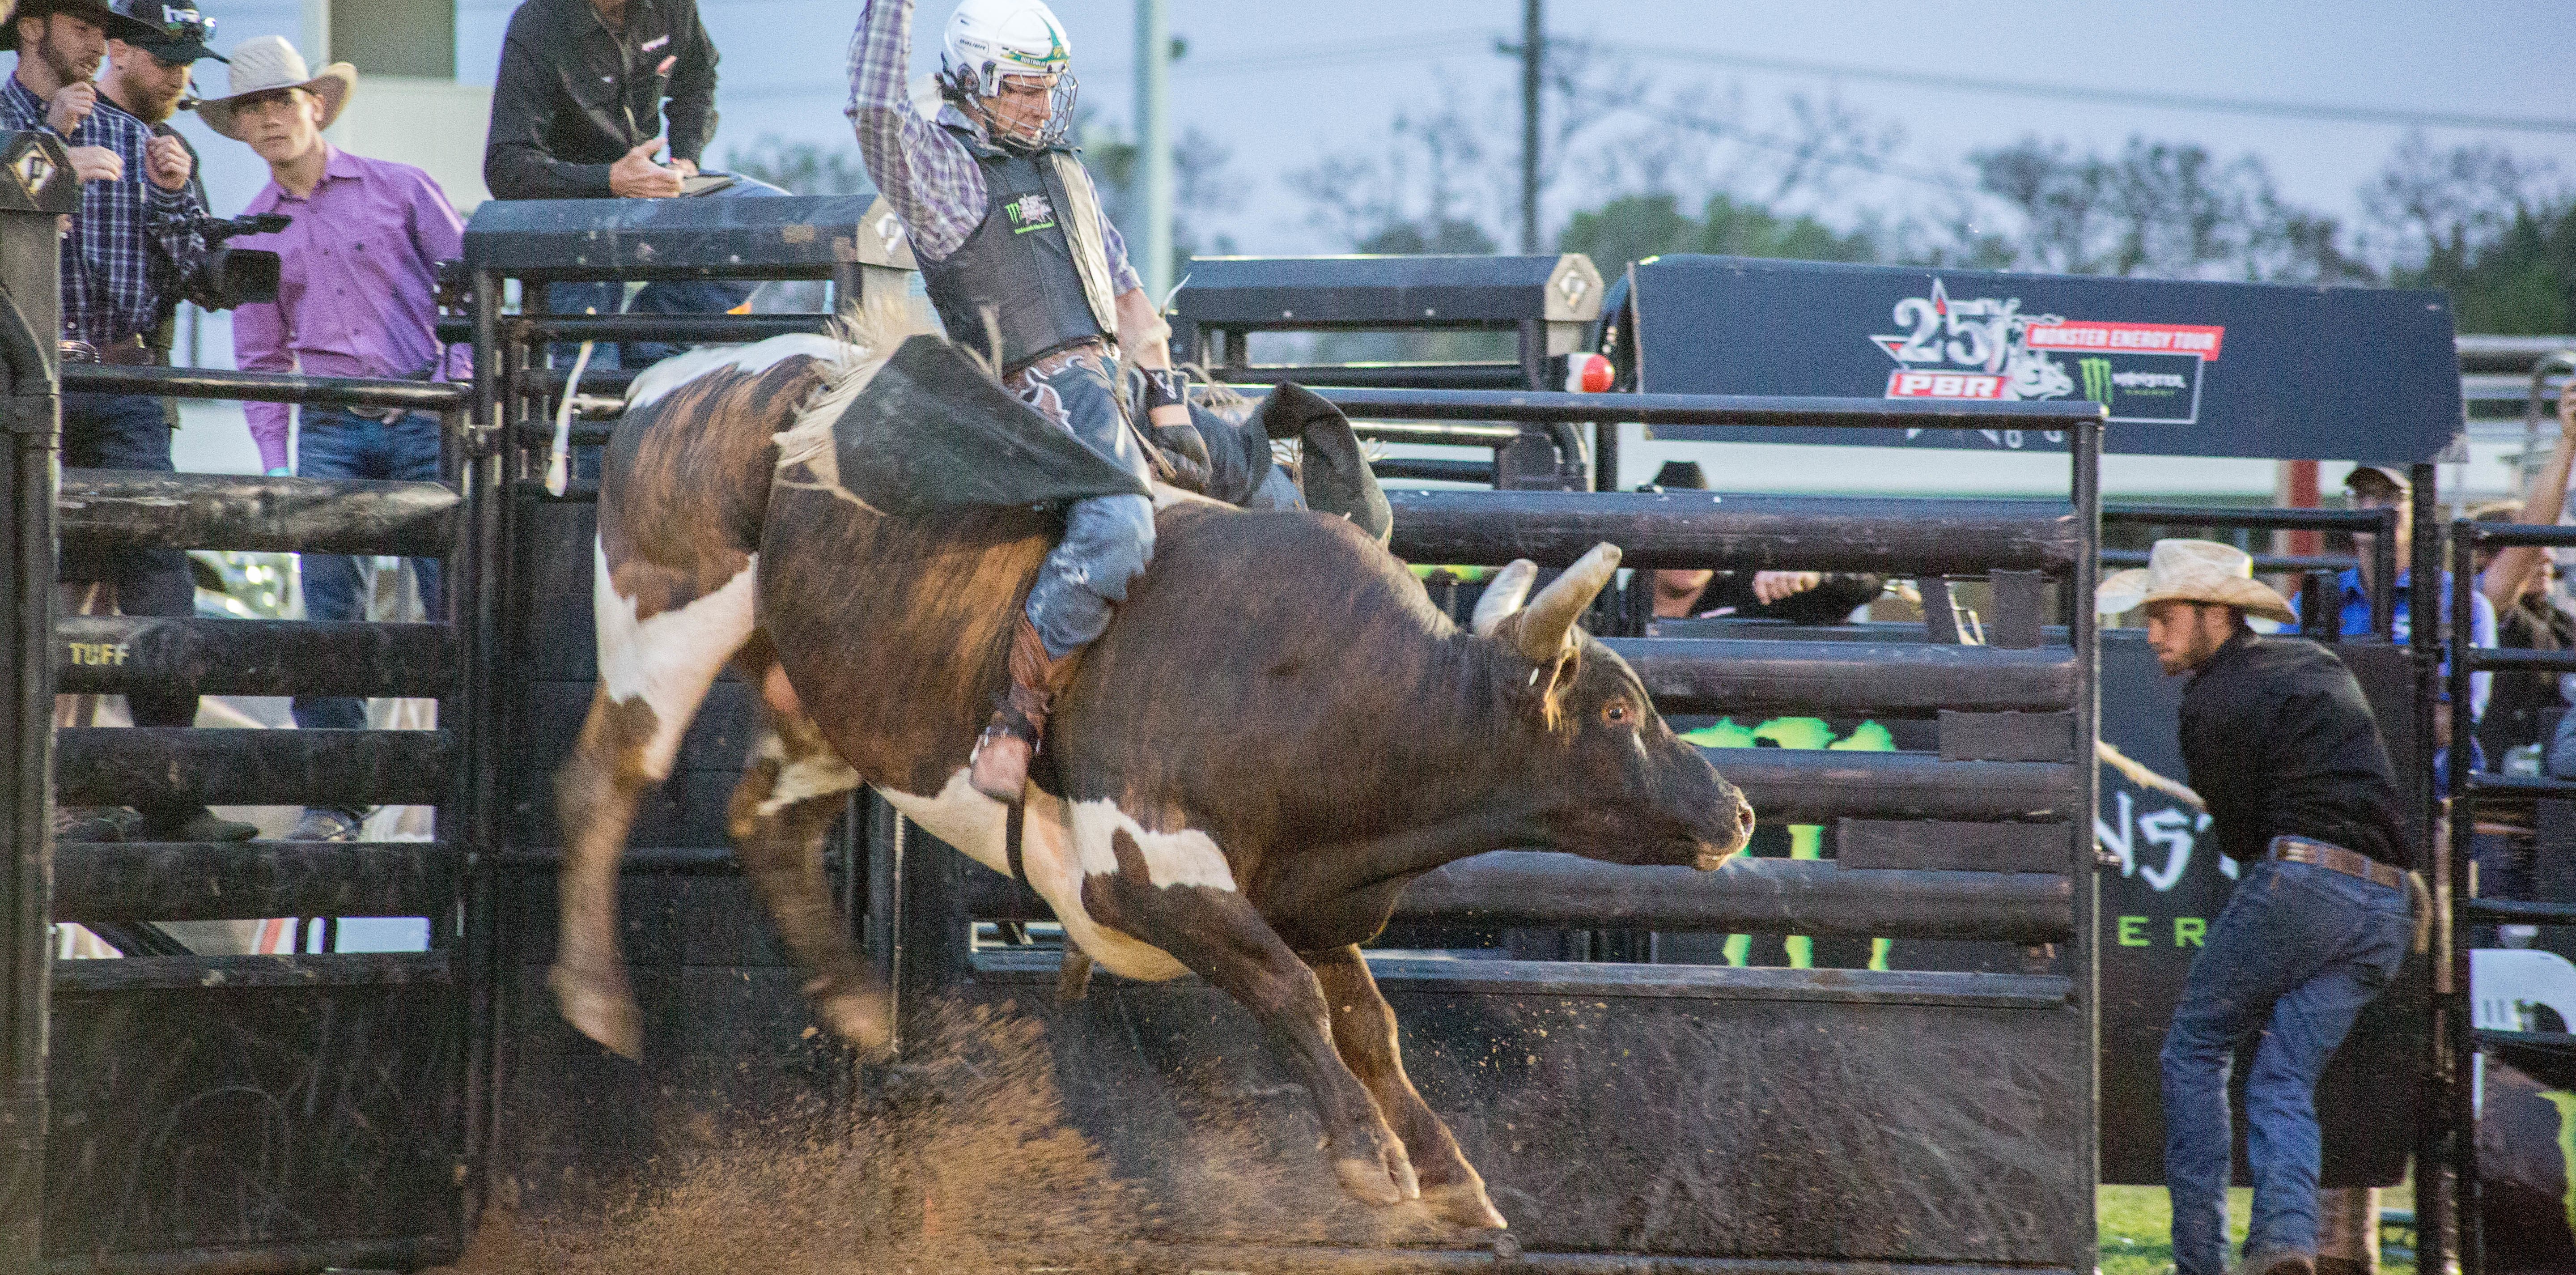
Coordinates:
132	243
928	176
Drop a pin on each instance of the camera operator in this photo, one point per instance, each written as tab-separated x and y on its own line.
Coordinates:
149	78
138	229
357	296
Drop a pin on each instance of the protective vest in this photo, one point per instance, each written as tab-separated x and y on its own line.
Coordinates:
1038	261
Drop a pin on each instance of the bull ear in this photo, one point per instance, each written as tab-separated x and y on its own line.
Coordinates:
1503	596
1544	626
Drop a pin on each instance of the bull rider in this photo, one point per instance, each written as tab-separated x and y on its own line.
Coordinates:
1016	253
2280	743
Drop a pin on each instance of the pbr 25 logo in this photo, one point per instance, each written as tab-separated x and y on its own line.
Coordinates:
1986	348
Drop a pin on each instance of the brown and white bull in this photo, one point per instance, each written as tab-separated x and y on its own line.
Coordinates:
1277	732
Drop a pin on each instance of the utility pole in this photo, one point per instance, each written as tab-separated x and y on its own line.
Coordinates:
1533	58
1154	145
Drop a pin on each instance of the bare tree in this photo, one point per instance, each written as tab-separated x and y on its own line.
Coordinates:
2425	200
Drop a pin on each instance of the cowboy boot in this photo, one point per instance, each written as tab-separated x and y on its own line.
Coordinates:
999	768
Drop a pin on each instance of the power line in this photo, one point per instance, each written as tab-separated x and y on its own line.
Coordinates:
2122	97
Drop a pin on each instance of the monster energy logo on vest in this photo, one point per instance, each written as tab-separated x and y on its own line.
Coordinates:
1038	264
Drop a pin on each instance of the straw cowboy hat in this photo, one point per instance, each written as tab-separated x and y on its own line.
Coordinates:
270	63
2193	571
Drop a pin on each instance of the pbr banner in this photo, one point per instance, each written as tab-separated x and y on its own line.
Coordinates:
2187	369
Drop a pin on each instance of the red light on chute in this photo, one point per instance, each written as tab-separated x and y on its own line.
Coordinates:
1588	374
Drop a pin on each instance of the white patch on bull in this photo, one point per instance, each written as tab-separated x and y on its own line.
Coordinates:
975	824
659	380
1187	857
822	775
670	660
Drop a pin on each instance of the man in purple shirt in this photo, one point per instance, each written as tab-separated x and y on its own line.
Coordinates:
357	296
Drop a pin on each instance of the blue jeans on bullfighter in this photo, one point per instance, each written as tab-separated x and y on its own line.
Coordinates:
341	444
2299	950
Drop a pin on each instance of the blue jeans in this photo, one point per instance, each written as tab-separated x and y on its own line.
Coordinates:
2293	958
130	431
679	296
337	443
1108	540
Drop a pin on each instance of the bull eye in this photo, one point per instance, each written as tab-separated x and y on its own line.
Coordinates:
1617	713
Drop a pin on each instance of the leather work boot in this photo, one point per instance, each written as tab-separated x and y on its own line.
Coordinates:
1000	767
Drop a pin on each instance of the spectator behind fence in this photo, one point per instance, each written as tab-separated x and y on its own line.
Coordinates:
578	110
2381	487
1803	597
148	78
138	230
357	296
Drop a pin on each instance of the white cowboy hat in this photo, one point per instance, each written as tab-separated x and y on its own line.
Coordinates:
269	63
2193	571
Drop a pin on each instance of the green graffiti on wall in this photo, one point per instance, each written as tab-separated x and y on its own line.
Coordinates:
1806	840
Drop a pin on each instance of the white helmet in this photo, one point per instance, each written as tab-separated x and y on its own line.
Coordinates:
992	40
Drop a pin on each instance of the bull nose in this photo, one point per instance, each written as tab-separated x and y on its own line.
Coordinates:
1743	818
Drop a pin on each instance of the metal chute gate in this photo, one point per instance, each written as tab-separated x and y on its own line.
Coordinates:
1775	1108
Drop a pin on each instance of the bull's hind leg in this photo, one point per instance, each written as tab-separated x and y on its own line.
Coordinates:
792	787
1216	933
1364	1032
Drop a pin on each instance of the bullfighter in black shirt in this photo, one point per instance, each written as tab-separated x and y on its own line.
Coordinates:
2282	746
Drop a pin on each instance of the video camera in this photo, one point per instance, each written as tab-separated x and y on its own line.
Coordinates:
237	276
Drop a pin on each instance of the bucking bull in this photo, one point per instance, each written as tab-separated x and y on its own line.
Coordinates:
1277	732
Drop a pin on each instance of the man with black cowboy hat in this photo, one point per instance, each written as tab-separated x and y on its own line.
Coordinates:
2282	747
139	229
149	79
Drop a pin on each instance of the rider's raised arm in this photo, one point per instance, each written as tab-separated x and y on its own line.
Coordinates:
925	174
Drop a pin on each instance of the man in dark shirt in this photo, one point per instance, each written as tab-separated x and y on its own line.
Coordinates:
578	112
2281	745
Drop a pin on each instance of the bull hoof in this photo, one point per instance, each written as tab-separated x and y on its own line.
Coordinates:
1369	1182
599	1006
1463	1204
857	1017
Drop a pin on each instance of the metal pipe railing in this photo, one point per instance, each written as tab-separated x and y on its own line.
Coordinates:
264	387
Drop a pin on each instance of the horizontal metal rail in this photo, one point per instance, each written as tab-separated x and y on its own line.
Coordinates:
235	880
1723	675
1423	376
2496	787
225	973
2515	533
123	766
2522	910
2519	660
1701	529
2380	520
141	509
1754	896
117	654
1448	434
1416	469
265	387
727	329
1799	785
1544	408
2540	1040
1747	895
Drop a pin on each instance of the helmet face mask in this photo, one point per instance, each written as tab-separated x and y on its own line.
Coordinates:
991	43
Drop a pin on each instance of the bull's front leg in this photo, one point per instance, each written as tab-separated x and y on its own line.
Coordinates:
1217	934
1364	1032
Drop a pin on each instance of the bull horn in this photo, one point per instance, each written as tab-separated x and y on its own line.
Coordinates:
1503	595
1549	619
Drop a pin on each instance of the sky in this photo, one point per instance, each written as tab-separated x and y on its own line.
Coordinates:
1283	84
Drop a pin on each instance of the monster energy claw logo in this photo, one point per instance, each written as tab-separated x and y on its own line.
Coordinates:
2097	379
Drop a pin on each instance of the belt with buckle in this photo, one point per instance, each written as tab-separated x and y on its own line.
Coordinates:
2335	858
